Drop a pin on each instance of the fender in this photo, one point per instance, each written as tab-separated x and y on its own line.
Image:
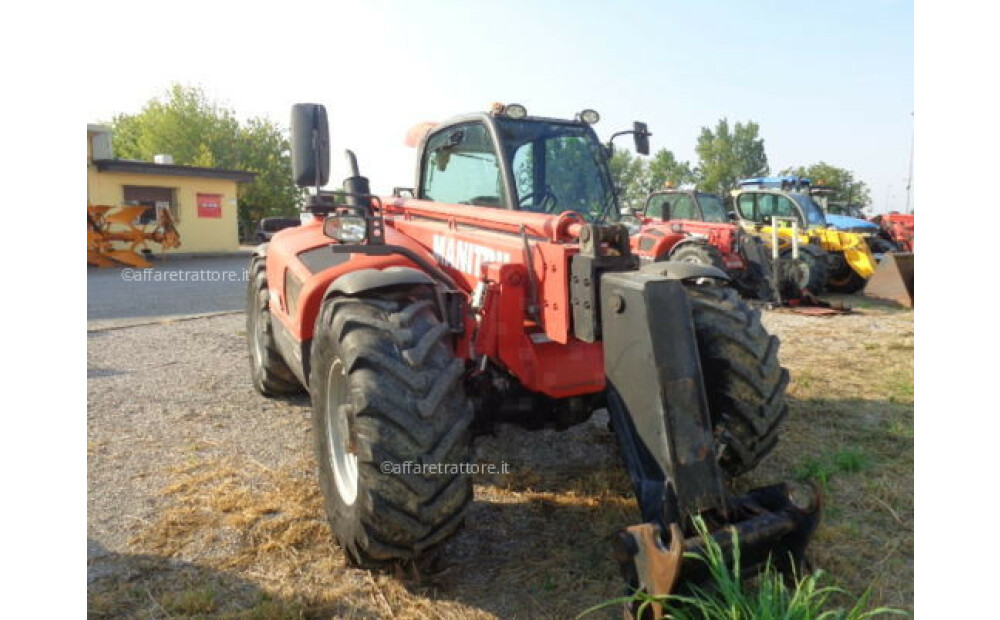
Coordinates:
364	280
684	271
259	251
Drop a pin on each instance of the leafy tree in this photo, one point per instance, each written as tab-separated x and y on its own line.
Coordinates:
725	155
664	167
848	189
636	177
199	132
630	174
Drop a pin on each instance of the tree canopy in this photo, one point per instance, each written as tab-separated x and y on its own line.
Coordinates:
727	155
636	177
848	189
199	132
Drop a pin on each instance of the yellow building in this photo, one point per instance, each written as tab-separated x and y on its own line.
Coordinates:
202	201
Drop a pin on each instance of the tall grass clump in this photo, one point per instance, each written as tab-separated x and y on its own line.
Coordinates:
772	597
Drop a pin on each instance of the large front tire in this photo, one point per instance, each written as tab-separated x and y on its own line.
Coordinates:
843	278
810	272
743	378
699	254
387	395
270	374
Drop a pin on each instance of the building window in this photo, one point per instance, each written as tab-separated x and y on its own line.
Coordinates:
154	197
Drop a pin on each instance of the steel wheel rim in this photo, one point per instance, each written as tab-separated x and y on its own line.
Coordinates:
258	333
804	271
343	463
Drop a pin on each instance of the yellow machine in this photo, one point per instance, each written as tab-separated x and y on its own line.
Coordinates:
109	225
843	257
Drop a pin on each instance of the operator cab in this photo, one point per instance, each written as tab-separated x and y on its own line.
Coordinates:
673	204
759	199
509	160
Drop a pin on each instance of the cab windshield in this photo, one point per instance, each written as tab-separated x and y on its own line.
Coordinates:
558	167
712	208
814	214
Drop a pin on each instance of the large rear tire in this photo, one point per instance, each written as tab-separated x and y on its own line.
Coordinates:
270	374
743	378
387	394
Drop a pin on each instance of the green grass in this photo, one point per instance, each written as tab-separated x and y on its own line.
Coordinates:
821	469
772	598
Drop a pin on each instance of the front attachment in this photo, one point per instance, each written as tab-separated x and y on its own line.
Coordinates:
659	412
893	279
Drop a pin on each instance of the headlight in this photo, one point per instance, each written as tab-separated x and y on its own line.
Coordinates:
515	111
346	228
589	116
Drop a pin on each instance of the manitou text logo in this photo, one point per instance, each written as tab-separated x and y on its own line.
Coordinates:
464	256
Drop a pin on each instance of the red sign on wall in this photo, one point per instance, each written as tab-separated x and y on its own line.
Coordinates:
209	205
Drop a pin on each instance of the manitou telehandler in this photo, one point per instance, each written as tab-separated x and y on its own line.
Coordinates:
503	290
694	227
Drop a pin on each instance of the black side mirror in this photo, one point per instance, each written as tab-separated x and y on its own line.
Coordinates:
310	145
641	137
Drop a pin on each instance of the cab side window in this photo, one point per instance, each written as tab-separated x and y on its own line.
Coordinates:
766	207
745	204
683	208
785	208
460	167
655	207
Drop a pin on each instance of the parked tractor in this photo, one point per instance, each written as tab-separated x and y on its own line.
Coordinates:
849	218
694	227
503	289
841	261
898	227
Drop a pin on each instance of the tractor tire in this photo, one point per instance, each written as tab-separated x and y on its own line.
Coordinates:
753	283
744	381
387	394
270	374
810	272
843	279
700	254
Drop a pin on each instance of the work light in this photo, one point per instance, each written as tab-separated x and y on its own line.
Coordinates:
346	227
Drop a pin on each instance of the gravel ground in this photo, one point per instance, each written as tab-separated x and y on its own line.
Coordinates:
170	395
183	395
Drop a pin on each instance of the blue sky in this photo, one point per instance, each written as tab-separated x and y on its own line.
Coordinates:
825	81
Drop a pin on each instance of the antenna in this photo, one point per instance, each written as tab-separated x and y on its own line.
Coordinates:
909	178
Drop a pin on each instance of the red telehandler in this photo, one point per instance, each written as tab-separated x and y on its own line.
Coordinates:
695	227
503	290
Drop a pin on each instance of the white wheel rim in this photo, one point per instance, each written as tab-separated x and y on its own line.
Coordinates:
343	463
804	271
258	335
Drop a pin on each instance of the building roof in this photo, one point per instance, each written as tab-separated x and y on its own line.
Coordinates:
145	167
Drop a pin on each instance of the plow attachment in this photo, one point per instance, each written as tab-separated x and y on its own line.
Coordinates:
108	226
659	412
893	279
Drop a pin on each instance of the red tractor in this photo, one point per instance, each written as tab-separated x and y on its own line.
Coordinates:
898	227
694	227
505	291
